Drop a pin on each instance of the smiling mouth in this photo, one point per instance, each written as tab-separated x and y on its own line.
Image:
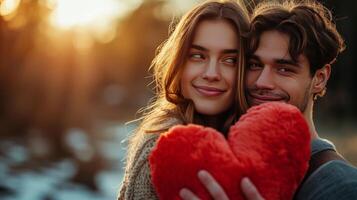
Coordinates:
209	91
259	99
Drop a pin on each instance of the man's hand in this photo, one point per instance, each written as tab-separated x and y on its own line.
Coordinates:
216	191
249	190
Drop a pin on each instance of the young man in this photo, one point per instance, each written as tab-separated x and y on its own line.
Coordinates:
293	46
291	52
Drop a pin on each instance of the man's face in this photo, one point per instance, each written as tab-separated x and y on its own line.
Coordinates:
272	75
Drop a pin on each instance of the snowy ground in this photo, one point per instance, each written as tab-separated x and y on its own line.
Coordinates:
52	182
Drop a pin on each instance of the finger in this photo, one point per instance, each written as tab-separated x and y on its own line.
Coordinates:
186	194
249	190
212	186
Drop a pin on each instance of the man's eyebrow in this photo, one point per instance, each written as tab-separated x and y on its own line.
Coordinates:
287	62
225	51
278	61
253	57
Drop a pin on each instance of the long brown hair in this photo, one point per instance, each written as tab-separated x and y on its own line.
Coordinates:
168	63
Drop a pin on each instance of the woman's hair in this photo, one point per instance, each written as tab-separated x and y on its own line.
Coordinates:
309	25
168	64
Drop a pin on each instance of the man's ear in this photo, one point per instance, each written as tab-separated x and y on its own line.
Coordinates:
320	79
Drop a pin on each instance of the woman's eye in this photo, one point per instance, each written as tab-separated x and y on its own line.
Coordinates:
196	56
230	60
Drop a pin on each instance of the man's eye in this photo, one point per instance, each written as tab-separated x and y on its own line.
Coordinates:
282	70
285	70
254	66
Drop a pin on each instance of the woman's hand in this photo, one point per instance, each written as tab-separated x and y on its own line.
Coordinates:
216	191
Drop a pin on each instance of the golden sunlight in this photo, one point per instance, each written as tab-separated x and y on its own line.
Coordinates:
8	6
85	13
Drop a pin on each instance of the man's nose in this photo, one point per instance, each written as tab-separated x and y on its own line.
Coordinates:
265	79
212	71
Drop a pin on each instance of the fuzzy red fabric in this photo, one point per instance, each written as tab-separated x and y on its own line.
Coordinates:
270	144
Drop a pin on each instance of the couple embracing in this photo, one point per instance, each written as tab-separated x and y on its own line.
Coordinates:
220	60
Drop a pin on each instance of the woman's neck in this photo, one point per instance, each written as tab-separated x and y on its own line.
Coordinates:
214	121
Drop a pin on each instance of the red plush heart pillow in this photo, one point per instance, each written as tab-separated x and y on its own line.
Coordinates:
270	145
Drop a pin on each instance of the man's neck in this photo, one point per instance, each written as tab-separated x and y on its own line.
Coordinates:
308	114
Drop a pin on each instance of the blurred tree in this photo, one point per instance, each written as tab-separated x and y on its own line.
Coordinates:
49	84
128	57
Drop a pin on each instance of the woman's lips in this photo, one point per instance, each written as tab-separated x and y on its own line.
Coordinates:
209	91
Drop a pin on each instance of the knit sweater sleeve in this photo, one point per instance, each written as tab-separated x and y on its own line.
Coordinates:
137	179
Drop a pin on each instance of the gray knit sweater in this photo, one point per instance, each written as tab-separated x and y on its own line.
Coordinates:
137	179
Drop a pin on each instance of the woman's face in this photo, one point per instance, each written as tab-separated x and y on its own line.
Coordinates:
209	73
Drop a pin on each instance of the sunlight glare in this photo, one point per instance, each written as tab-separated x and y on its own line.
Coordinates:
69	13
8	6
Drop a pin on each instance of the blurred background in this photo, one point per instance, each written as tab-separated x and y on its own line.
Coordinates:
73	72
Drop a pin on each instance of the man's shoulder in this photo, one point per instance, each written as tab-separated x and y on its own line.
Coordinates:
334	180
334	170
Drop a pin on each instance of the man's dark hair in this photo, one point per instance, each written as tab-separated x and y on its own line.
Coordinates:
309	25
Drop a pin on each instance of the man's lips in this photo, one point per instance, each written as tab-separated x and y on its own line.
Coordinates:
258	99
209	91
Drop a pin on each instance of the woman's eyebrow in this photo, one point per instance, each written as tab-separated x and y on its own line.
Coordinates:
225	51
228	51
198	47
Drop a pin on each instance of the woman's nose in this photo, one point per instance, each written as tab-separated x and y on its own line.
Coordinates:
212	72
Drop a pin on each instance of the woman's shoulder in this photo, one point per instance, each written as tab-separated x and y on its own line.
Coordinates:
149	138
146	141
146	144
137	181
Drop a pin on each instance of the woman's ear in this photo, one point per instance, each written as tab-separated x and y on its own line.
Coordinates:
320	80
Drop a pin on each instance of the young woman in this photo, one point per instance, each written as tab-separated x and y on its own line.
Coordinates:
199	79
